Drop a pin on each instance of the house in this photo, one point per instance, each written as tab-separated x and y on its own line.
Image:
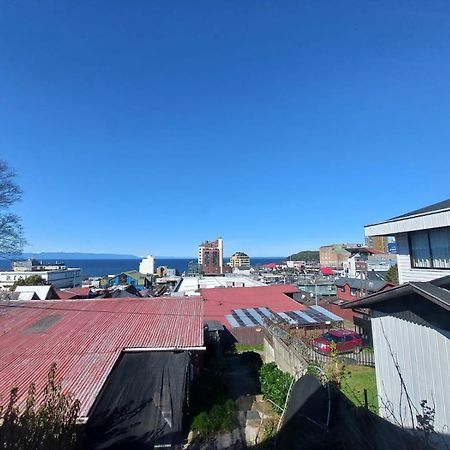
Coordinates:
243	310
364	259
423	241
351	289
131	277
114	356
411	338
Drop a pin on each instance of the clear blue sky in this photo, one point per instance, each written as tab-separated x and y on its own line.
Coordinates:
146	126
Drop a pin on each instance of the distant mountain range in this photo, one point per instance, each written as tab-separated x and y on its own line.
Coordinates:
77	255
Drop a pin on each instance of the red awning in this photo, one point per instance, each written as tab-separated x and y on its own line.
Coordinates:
326	271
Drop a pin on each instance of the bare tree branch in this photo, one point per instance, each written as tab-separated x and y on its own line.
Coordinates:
11	231
10	192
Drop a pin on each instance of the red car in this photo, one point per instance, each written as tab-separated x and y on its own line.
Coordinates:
345	340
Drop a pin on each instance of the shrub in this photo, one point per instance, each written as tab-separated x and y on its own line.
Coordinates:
221	417
274	384
52	425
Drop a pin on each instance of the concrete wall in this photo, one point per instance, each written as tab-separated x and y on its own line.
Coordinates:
287	360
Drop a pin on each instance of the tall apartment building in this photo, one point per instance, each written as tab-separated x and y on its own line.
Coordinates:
210	257
240	259
334	255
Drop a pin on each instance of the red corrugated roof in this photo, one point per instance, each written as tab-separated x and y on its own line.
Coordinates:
66	295
86	339
220	301
270	265
81	291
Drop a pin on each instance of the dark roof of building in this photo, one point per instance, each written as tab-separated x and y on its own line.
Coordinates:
445	204
371	251
367	285
376	275
407	301
436	291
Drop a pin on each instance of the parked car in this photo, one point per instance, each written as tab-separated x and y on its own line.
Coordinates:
345	340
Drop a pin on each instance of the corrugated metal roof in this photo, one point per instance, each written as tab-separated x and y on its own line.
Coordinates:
219	303
85	338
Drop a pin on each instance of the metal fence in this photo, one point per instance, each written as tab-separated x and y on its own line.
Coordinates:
364	358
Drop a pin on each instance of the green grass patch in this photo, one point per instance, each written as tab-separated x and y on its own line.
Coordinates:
241	348
353	386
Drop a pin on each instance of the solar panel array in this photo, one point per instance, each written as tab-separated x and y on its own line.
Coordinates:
253	317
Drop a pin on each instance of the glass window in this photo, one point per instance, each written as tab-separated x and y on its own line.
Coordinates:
440	248
430	248
330	337
420	249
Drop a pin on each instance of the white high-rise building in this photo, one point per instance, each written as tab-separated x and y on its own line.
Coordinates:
147	265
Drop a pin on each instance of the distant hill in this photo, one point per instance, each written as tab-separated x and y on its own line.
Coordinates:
306	255
62	256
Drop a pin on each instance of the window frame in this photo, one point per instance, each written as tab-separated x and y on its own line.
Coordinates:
411	258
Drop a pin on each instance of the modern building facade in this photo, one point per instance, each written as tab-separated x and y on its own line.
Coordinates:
58	274
240	260
210	257
423	241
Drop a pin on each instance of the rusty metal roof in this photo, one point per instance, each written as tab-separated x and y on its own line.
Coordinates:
85	338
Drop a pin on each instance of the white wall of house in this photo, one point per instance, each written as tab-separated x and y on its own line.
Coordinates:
423	356
407	273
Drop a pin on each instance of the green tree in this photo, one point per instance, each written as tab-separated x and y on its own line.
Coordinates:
11	231
392	275
33	280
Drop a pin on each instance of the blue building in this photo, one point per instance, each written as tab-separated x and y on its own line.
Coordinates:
133	278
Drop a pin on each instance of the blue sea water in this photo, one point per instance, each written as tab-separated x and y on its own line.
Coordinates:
103	267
